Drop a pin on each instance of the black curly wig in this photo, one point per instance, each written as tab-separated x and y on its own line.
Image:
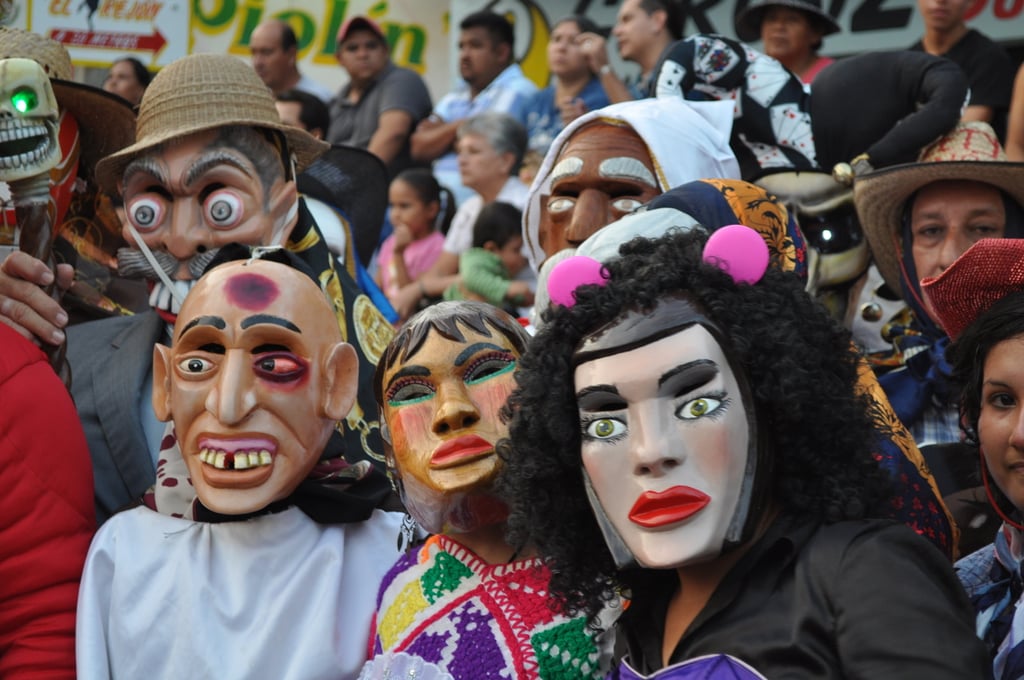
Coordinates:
802	375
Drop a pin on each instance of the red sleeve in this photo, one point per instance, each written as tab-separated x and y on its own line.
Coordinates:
46	514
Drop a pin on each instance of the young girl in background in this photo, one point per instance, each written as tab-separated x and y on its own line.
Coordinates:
420	210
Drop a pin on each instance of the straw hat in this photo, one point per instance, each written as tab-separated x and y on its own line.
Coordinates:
106	122
987	271
202	92
748	20
971	152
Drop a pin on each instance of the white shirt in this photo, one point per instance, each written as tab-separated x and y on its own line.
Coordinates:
460	233
307	84
278	596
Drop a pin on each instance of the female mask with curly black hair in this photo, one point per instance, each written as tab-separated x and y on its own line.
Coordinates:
762	365
672	463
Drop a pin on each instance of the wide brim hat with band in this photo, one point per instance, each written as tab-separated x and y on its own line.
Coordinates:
971	152
748	20
989	270
202	92
106	122
354	182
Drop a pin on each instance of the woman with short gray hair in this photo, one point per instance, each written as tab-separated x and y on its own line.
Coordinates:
490	147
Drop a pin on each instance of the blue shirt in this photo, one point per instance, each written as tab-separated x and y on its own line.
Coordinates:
508	93
543	120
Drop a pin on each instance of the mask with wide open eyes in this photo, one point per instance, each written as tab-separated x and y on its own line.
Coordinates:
29	119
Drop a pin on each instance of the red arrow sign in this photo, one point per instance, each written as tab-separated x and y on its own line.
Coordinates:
111	40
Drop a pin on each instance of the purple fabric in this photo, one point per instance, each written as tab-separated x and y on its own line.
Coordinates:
471	626
716	667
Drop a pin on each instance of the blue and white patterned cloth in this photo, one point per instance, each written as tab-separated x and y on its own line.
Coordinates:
992	578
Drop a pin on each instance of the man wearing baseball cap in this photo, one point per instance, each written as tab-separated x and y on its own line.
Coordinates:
381	104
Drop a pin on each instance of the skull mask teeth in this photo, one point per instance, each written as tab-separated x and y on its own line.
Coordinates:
28	120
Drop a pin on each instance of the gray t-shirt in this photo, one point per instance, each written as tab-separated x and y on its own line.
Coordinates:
395	88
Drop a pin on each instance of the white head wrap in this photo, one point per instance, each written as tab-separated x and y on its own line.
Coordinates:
687	141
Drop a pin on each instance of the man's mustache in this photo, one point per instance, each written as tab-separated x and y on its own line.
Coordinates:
132	264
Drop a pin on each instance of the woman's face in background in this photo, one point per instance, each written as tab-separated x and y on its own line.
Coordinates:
564	55
122	81
1001	419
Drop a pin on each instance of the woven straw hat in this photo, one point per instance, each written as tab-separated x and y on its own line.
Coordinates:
970	152
987	271
748	20
106	122
202	92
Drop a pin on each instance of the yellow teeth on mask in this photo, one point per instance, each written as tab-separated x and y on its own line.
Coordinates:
242	459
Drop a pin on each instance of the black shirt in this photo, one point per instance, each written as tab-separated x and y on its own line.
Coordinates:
866	599
902	102
990	73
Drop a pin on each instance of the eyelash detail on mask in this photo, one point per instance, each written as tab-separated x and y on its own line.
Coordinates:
588	420
395	389
506	358
719	411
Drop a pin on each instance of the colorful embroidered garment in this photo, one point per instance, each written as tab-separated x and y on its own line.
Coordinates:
477	621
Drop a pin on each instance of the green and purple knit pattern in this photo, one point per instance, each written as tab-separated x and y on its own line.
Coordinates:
477	620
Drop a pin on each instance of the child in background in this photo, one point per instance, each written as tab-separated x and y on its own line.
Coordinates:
486	270
420	210
530	165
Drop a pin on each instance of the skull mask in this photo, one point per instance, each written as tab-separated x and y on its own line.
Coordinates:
28	120
836	248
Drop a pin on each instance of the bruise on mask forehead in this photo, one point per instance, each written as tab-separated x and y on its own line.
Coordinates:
251	291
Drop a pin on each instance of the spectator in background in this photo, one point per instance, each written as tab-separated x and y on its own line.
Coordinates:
275	50
381	104
492	82
576	88
491	147
987	65
128	78
303	110
487	270
791	31
918	219
978	301
1015	124
643	30
420	212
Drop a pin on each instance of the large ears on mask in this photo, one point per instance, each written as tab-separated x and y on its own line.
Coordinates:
341	381
162	382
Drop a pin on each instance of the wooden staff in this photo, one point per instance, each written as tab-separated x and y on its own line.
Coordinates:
31	197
